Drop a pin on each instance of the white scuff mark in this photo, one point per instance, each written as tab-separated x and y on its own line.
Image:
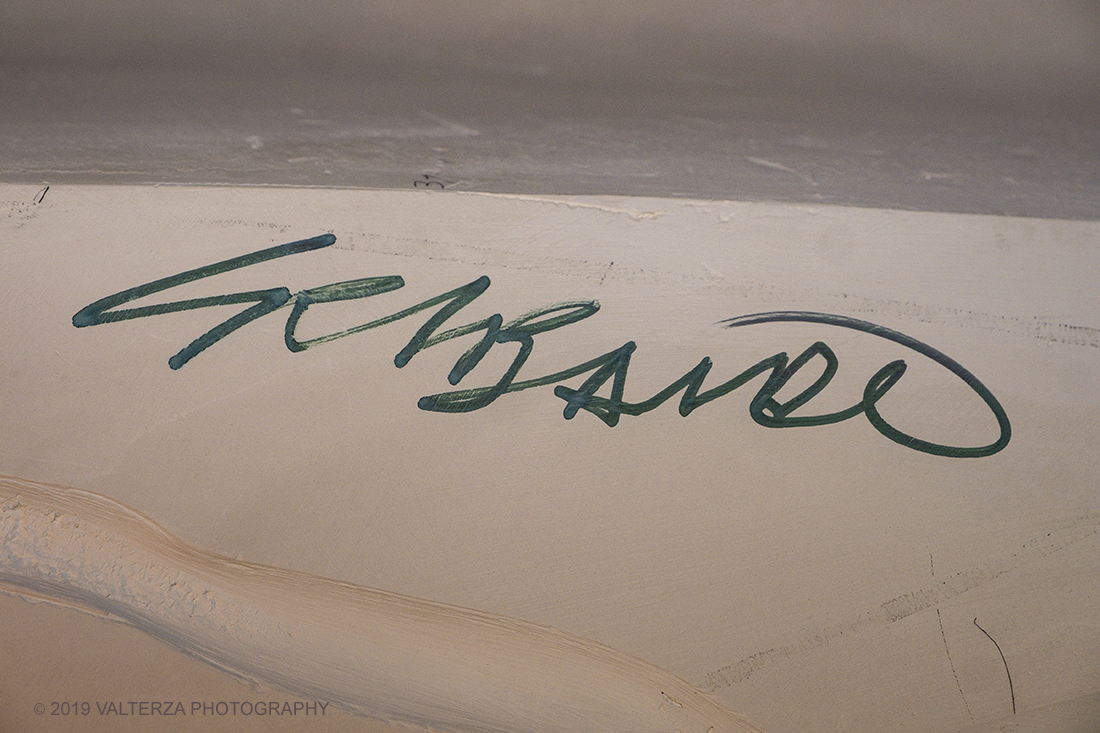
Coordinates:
71	365
254	141
444	129
935	175
67	171
307	159
772	165
636	214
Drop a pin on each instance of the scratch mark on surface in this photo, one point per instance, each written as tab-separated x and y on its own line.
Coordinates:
1036	328
950	661
772	165
571	204
70	364
894	610
1011	693
40	195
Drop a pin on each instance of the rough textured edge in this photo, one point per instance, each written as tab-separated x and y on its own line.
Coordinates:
371	652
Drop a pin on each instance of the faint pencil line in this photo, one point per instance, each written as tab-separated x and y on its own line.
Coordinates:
1080	529
952	663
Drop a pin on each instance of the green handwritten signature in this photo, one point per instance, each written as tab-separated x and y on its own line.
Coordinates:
612	366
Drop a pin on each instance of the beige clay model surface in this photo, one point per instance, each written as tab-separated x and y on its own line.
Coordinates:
379	654
755	340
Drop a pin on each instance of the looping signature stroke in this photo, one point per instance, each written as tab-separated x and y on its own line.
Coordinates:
612	366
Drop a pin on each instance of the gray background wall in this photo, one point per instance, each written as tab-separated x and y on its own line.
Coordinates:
987	106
